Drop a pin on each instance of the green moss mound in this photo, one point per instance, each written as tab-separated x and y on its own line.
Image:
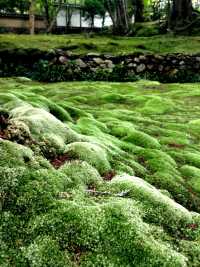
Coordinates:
97	174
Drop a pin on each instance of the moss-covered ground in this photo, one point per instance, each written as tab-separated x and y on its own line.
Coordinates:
99	174
84	43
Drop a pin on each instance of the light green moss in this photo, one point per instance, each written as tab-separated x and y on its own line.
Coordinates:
192	176
159	208
142	139
14	155
45	252
91	153
192	250
71	216
81	173
42	126
158	105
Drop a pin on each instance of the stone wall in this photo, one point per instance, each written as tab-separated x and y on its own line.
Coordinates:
132	65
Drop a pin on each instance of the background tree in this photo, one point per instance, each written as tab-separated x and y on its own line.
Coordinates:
11	6
139	10
121	13
32	16
182	15
92	8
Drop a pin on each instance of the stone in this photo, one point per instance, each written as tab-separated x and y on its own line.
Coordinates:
109	64
159	57
160	68
69	53
182	63
140	68
131	65
198	59
136	60
98	60
81	63
142	57
63	60
103	66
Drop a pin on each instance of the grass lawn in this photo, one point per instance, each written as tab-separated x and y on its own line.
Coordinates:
71	155
101	44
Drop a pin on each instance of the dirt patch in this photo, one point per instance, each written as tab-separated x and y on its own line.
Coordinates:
108	176
4	121
59	160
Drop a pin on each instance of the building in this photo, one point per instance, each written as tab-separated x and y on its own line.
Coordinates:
71	16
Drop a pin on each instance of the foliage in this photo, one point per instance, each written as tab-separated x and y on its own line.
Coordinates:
14	5
93	8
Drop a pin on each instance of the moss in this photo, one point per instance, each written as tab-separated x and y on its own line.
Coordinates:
120	128
192	176
90	126
142	139
91	153
121	167
159	208
158	105
44	252
81	173
115	98
192	250
74	112
14	155
190	157
195	126
71	216
42	126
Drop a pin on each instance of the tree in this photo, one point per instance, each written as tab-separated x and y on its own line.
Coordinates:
49	10
121	12
32	16
12	6
93	8
182	16
139	10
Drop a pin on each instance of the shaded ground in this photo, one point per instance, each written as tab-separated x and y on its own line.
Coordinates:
71	155
101	44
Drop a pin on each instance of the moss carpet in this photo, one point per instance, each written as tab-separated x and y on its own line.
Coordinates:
84	43
99	174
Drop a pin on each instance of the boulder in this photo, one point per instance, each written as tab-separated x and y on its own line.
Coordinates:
81	63
98	60
140	68
63	60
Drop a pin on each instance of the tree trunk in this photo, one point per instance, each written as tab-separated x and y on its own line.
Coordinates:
119	15
181	14
32	17
46	11
53	21
139	12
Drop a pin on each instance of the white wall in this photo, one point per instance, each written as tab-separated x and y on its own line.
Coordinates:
75	20
98	21
61	18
